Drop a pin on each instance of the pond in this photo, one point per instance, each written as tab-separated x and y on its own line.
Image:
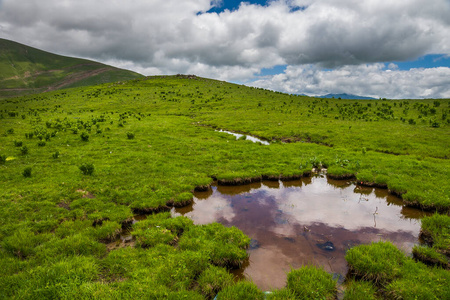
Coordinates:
312	221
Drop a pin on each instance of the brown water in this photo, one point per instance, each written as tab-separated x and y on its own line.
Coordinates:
307	222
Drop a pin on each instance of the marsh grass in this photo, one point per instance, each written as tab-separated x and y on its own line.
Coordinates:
356	290
310	282
395	275
242	290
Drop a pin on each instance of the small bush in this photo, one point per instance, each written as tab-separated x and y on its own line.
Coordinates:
2	159
41	143
55	155
24	150
130	135
18	143
84	137
87	168
27	172
10	131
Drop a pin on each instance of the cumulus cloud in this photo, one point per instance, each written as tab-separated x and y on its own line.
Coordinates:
369	79
171	36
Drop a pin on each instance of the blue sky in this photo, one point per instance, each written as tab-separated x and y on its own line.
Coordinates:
377	48
232	5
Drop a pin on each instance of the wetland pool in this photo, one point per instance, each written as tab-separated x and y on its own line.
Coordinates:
312	221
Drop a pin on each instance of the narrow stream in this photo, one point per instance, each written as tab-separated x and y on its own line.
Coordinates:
312	221
247	137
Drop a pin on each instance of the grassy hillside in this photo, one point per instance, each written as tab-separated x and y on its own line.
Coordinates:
25	70
77	165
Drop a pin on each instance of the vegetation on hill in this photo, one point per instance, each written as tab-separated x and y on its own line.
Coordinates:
26	70
77	165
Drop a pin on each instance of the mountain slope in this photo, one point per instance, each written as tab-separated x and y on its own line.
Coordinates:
346	96
27	70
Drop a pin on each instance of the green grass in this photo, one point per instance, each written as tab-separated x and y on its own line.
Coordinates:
395	275
60	218
26	70
356	290
311	283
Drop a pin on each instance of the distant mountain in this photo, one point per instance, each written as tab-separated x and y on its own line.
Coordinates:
346	96
26	70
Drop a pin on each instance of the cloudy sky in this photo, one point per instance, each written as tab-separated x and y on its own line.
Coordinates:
378	48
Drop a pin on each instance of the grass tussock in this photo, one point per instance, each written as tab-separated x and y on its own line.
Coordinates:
395	275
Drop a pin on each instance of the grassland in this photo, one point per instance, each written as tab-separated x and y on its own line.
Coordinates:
78	164
26	70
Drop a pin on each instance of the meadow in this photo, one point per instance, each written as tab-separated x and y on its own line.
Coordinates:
78	165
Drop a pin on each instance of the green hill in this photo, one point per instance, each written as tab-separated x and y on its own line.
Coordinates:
26	70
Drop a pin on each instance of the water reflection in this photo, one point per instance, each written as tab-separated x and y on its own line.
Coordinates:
311	221
247	137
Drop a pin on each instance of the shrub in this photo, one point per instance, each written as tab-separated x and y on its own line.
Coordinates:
87	168
27	172
130	135
55	155
41	143
10	131
18	143
24	150
2	159
84	137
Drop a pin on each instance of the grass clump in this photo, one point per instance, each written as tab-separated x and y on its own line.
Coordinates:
87	168
430	256
3	159
55	154
130	135
378	262
242	290
84	137
311	283
418	281
224	246
27	172
395	275
24	150
213	280
356	290
282	294
23	243
160	229
436	232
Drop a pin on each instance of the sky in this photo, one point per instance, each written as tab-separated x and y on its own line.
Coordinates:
377	48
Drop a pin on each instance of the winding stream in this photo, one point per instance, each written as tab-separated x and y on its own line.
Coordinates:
309	221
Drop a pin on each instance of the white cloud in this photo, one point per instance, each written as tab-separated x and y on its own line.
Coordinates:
171	36
368	80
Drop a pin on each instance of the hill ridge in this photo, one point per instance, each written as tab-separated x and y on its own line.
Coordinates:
27	70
